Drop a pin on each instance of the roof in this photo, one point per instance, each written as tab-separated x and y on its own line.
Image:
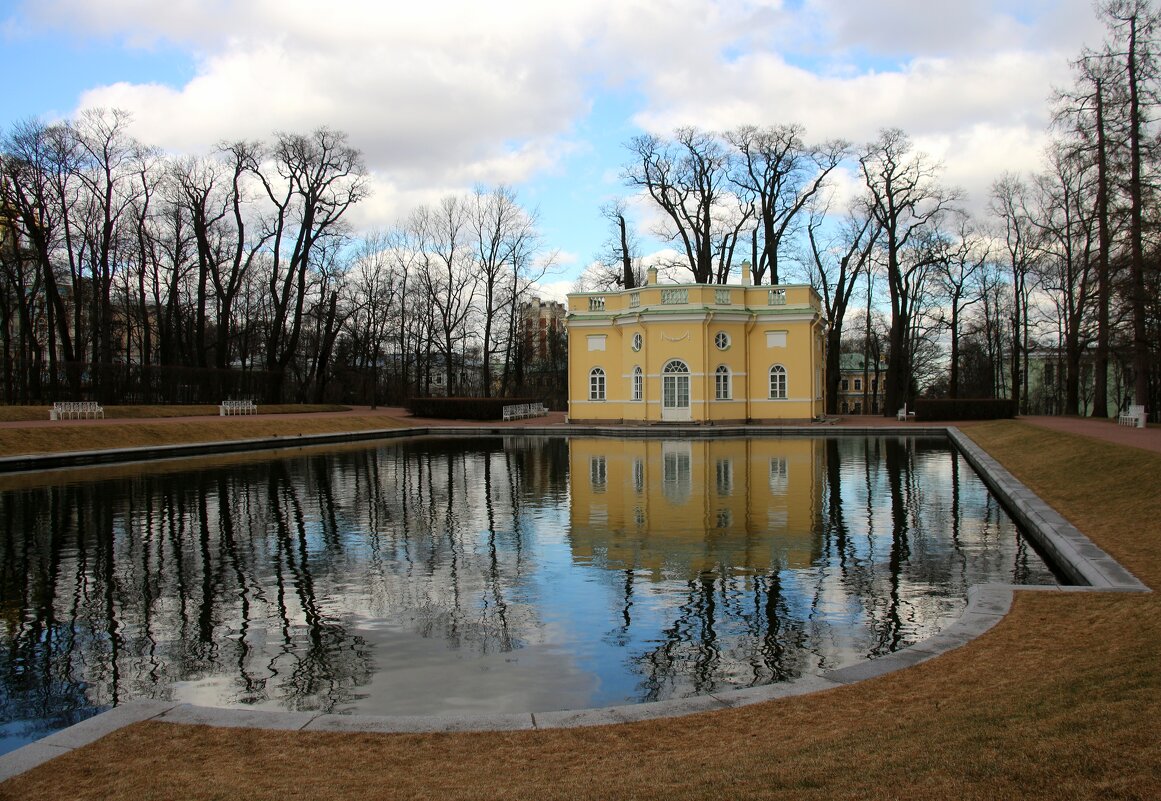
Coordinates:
853	363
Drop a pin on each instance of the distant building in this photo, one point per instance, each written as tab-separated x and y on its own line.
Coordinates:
1047	372
862	386
696	352
541	319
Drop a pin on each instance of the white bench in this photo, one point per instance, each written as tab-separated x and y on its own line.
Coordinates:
903	414
76	410
237	407
1134	416
520	411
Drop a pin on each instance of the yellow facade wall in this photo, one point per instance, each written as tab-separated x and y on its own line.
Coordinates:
763	327
678	508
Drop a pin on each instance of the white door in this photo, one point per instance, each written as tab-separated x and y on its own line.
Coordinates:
675	391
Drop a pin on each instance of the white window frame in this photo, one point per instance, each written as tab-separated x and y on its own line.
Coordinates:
779	382
638	385
723	389
597	384
676	385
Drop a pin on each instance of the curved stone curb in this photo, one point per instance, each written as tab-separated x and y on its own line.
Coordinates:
987	605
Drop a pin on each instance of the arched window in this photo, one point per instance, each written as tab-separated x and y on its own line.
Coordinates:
638	384
777	382
597	384
675	385
722	383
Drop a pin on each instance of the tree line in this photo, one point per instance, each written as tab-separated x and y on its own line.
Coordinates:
131	275
1064	263
128	274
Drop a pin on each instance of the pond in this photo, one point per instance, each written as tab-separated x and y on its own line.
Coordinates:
484	574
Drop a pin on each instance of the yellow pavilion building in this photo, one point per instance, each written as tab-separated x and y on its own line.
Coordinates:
705	353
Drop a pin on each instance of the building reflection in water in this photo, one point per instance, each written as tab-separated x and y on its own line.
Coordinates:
483	574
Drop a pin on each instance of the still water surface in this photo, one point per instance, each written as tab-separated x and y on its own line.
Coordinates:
495	574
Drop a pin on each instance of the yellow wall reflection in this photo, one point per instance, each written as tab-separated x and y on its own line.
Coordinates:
683	507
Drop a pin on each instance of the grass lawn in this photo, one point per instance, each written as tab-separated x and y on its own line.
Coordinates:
82	435
26	413
1059	701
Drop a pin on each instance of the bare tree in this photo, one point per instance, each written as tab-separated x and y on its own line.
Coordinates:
1020	241
504	236
906	202
109	157
1133	26
783	174
1066	219
834	270
689	178
40	166
618	264
375	300
449	277
312	181
958	273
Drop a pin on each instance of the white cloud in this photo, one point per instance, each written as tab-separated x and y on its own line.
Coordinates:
553	290
444	94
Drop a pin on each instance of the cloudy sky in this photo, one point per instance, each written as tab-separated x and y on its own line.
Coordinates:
441	95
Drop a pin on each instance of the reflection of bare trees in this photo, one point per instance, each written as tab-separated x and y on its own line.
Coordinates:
279	583
729	630
252	582
905	528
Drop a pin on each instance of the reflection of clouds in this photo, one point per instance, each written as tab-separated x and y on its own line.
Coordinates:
431	576
416	676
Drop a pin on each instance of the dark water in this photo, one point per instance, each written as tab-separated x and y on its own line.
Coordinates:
484	574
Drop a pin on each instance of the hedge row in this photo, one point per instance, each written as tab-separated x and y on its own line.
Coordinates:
964	409
462	408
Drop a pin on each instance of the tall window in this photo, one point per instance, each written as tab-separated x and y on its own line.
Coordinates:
675	385
778	382
722	383
597	384
638	384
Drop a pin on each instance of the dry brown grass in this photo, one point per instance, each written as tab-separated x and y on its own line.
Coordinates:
28	413
1060	701
71	435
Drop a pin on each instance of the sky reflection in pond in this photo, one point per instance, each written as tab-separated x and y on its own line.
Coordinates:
486	574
